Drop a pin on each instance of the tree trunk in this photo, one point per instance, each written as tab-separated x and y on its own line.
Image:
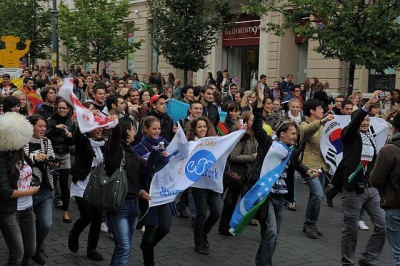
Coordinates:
352	70
97	67
185	77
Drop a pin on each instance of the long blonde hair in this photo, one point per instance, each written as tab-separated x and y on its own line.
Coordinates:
354	95
245	100
393	110
17	94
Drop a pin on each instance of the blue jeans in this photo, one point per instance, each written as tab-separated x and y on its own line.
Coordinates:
18	231
316	186
269	231
122	224
203	224
43	209
392	217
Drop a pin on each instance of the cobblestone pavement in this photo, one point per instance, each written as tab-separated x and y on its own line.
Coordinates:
293	248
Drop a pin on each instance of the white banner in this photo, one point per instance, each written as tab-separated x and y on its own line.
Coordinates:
198	163
331	144
86	120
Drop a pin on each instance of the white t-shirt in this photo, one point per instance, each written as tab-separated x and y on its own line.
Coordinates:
24	183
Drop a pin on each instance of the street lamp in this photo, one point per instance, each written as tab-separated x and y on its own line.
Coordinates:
54	39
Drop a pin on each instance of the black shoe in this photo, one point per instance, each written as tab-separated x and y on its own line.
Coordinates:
224	232
58	203
201	250
183	214
365	263
329	202
67	221
73	243
38	259
94	255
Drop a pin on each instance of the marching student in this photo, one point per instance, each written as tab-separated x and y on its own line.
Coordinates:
196	129
386	178
270	213
17	221
353	173
89	153
122	223
239	165
157	220
310	135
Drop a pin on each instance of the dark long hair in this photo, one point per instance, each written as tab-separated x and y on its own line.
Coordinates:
17	160
10	102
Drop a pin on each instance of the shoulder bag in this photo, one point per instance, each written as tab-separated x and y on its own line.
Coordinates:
104	192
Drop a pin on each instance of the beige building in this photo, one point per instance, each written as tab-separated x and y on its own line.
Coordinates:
247	51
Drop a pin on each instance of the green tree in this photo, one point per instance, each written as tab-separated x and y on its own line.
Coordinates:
28	20
96	30
363	33
184	31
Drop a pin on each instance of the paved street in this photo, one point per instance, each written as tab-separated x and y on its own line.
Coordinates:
294	248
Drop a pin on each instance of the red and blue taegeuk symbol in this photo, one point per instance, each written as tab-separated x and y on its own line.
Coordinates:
336	141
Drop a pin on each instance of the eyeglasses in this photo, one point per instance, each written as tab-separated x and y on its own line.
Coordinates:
62	108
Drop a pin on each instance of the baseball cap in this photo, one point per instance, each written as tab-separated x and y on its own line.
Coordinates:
155	97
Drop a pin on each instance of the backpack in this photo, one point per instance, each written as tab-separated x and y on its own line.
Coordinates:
104	192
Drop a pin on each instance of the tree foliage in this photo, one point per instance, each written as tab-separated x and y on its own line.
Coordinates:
28	20
185	31
362	32
96	30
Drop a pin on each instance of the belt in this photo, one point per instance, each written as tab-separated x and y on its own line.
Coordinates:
276	196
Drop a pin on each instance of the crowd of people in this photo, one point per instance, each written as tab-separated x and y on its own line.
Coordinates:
33	165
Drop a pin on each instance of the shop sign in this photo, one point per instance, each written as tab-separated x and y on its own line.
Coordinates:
243	33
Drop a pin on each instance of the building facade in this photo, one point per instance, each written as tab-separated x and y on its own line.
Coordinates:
247	51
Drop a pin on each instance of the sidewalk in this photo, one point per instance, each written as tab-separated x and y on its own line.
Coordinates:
293	248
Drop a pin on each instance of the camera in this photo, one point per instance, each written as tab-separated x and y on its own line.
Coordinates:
35	181
382	94
53	160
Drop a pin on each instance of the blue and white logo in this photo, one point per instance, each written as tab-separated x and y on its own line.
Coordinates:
198	164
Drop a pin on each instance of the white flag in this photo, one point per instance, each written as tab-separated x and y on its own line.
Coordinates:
331	144
198	163
86	120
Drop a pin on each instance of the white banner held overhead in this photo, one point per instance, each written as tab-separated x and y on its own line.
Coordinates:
86	120
198	163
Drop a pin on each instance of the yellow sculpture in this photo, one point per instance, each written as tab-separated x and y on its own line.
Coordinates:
10	56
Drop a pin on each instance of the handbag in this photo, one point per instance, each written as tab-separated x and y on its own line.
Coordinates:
104	192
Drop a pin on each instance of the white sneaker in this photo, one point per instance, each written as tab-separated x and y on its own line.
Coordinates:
143	229
104	227
362	226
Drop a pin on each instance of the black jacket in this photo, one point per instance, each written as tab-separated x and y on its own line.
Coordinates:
113	156
352	147
57	136
166	124
211	112
46	111
8	183
83	157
